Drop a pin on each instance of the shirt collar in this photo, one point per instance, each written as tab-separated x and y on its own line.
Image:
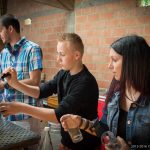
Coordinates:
143	100
16	46
79	73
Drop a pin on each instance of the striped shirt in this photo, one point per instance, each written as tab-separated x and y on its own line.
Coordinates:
25	57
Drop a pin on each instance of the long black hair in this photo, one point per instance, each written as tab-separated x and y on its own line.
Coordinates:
10	20
135	71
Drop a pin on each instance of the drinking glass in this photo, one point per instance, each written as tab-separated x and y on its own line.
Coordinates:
109	138
75	135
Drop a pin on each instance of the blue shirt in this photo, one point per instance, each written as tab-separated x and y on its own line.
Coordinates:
25	57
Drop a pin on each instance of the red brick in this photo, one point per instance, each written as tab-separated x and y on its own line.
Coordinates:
104	50
135	30
119	32
101	67
91	66
78	12
87	58
93	17
143	20
103	84
81	19
106	15
86	11
128	21
113	23
105	32
109	41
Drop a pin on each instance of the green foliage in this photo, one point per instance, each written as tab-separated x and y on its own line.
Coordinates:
144	3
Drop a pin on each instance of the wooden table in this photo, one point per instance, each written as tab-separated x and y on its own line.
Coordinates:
13	136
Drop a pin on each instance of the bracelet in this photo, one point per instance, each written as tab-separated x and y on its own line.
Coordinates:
81	123
86	124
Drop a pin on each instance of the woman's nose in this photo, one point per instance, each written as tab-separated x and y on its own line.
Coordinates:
110	65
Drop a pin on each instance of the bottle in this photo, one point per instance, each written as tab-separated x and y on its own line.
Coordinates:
55	134
45	143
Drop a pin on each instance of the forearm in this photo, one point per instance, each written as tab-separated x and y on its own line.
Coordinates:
38	112
35	77
29	90
31	82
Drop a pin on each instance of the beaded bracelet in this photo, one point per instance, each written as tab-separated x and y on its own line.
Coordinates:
86	124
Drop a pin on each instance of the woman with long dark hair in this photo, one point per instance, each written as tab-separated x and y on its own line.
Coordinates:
127	109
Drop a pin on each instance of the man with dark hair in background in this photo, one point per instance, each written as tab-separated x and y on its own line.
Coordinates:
26	57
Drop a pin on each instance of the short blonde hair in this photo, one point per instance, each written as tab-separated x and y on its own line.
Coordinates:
74	39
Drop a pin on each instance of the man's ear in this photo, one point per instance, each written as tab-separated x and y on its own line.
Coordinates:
77	55
10	29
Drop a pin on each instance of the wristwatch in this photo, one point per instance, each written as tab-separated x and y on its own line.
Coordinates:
6	85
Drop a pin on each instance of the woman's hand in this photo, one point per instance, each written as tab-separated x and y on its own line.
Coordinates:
9	108
69	121
121	144
12	79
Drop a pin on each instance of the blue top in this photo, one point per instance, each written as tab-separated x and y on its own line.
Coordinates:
137	123
25	57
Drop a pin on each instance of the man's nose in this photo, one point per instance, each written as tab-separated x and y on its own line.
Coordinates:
58	58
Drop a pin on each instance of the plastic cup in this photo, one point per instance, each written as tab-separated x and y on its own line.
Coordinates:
110	139
75	135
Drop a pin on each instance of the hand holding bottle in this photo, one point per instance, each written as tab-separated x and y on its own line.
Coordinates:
113	143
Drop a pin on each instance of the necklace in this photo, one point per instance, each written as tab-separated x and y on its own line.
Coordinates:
130	99
133	101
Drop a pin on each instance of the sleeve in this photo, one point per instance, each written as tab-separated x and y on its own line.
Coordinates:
104	117
35	59
49	88
102	127
81	100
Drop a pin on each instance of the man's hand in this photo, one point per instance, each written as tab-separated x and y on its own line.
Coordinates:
12	79
9	108
70	121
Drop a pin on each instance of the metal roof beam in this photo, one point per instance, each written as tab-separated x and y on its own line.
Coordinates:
63	4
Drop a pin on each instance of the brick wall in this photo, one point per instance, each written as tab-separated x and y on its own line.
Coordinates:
99	23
